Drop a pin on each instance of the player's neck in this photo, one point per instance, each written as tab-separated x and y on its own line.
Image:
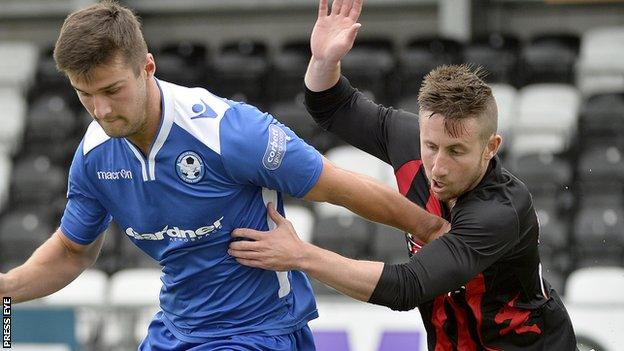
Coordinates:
144	139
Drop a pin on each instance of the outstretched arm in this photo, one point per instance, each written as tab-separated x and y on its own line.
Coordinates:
55	264
282	250
332	37
375	201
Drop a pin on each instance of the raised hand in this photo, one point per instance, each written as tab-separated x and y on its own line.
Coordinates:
334	33
279	249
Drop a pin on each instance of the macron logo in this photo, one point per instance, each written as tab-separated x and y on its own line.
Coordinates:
114	175
203	110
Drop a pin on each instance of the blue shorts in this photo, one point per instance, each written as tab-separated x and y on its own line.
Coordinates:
159	338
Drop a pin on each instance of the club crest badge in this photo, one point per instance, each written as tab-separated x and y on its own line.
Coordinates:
190	167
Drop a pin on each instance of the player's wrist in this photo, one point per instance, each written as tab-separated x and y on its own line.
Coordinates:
322	74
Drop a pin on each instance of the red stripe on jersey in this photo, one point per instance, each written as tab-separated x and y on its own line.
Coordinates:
517	319
405	175
475	289
433	206
438	319
464	340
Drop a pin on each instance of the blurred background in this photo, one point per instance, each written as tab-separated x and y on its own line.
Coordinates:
557	72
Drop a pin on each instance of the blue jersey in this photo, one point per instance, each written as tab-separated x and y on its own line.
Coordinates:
213	167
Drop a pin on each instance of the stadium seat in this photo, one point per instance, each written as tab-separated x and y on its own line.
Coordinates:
240	72
302	219
355	160
506	101
348	235
289	66
601	164
51	120
389	245
13	119
498	53
547	118
420	56
87	295
602	119
6	166
369	65
21	232
49	80
596	285
18	61
35	180
598	235
601	63
183	63
294	115
131	292
550	59
543	173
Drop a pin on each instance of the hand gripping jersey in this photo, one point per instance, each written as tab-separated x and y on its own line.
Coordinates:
478	287
213	167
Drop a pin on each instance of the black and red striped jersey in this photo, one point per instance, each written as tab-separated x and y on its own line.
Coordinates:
478	287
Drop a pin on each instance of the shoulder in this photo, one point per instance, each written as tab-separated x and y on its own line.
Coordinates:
489	211
197	111
94	137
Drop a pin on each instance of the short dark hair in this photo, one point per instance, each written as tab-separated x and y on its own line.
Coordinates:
97	35
458	92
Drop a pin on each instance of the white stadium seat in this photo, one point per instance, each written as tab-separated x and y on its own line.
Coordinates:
5	179
87	295
13	119
18	61
600	68
506	100
547	118
596	285
302	219
355	160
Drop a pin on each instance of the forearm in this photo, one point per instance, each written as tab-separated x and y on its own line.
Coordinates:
353	278
321	75
379	203
50	268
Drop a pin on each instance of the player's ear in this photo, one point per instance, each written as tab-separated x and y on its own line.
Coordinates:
493	144
150	66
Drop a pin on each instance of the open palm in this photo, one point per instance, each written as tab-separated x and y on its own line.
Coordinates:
334	33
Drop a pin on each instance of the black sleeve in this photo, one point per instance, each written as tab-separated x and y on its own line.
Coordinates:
480	236
375	129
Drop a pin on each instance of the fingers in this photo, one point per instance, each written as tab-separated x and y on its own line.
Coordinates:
246	233
336	7
275	216
353	32
245	245
356	10
322	8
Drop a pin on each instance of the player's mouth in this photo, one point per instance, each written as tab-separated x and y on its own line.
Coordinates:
437	186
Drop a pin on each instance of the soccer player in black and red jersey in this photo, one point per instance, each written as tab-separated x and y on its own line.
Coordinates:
479	286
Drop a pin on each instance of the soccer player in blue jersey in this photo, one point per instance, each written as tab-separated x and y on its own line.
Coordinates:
179	168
